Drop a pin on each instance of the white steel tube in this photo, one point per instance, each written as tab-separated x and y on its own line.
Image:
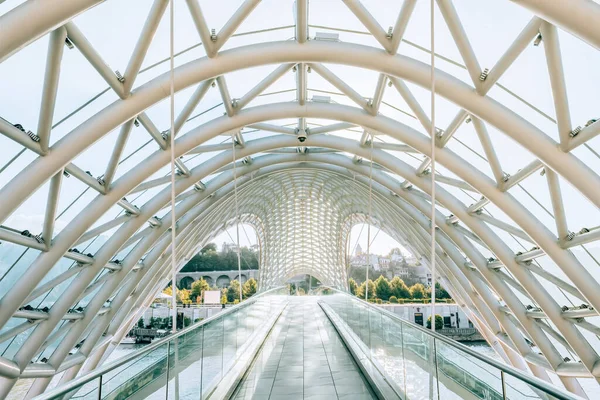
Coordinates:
56	47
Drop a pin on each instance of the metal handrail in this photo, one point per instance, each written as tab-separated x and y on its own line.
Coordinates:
507	369
79	382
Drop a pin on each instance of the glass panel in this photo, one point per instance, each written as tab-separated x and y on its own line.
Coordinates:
212	359
87	391
133	376
517	389
419	363
230	344
392	356
185	373
461	375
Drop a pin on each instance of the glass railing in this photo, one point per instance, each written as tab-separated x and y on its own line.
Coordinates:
191	363
420	364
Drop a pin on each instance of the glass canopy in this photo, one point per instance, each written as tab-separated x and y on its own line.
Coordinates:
327	113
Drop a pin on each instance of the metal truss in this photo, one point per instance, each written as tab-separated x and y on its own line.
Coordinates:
71	293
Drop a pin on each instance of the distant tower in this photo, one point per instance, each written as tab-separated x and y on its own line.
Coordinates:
359	251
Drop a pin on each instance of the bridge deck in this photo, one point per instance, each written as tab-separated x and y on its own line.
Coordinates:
303	358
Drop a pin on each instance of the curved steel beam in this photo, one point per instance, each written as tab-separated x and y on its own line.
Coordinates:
35	18
292	139
579	17
523	132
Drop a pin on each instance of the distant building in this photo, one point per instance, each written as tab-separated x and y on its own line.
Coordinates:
227	247
359	251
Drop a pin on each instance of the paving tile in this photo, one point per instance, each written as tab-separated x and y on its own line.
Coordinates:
304	358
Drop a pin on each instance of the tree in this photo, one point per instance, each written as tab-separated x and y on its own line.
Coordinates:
352	286
169	291
372	291
209	247
140	323
199	287
223	299
440	292
439	322
399	288
382	288
417	291
249	288
184	295
233	292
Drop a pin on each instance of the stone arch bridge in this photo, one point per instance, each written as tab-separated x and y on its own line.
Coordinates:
219	278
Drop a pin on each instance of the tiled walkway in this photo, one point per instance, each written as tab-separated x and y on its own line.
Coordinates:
304	358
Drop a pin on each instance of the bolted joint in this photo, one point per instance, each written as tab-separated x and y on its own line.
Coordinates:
484	74
33	136
213	35
120	77
575	132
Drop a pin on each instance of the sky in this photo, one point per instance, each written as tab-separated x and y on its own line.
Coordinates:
381	242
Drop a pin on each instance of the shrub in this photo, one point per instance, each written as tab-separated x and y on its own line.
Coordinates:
379	301
393	299
439	322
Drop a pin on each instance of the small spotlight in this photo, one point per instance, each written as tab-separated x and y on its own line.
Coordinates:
69	44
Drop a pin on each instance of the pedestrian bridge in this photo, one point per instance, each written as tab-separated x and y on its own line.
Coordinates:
135	132
304	347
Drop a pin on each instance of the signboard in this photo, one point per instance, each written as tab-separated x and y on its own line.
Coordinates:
419	318
212	297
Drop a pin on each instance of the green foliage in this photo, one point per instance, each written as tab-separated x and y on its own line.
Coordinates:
169	291
417	291
223	299
379	301
301	292
372	293
140	323
210	260
396	291
236	301
440	292
249	288
198	288
439	322
233	291
383	289
352	286
209	247
399	288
